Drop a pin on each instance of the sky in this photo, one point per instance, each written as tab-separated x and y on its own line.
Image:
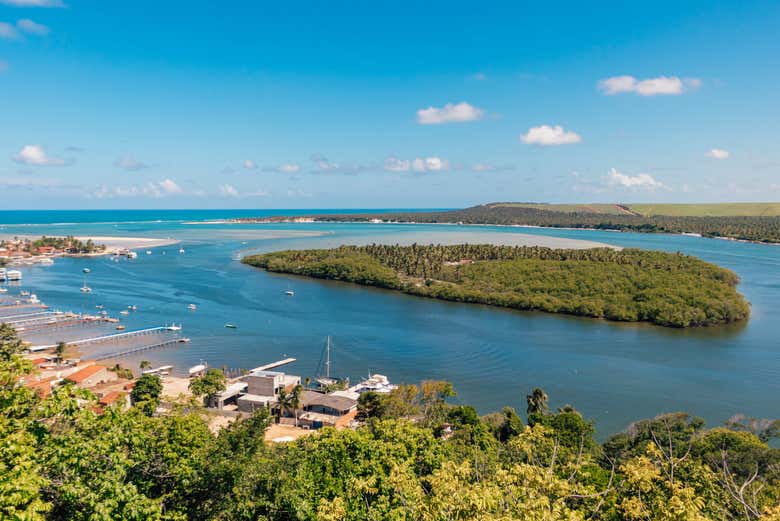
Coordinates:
255	104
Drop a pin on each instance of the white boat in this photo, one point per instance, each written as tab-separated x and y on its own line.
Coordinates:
86	289
181	250
148	252
173	327
132	308
13	275
377	383
3	290
124	312
46	261
192	307
289	293
34	299
195	370
132	255
24	293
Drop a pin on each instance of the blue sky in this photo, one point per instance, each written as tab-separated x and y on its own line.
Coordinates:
386	104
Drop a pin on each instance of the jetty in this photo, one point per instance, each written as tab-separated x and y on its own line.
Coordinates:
111	338
273	365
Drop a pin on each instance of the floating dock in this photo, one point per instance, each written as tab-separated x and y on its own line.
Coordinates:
110	338
273	365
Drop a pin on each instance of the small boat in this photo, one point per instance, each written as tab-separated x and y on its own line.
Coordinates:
184	340
132	255
124	312
86	270
99	306
181	250
86	289
24	293
132	308
192	307
289	293
195	370
34	299
148	252
230	326
3	290
120	328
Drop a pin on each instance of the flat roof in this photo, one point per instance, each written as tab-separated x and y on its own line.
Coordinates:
257	398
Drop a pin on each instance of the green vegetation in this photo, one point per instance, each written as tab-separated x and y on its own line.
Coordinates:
631	285
416	458
146	393
209	385
758	222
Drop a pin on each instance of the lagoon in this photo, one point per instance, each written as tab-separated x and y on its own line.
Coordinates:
614	373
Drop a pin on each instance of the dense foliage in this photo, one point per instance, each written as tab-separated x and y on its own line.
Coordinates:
416	457
630	285
751	228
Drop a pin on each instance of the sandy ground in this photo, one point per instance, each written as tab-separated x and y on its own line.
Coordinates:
112	243
281	433
175	386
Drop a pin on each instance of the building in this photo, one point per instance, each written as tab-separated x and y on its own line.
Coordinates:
115	398
327	410
91	376
262	389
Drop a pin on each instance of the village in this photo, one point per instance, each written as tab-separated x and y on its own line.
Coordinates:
299	406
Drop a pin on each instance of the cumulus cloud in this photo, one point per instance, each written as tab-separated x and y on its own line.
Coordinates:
324	166
228	191
718	153
419	164
546	135
31	27
155	189
249	164
8	31
449	113
129	163
639	181
35	155
284	168
662	85
33	3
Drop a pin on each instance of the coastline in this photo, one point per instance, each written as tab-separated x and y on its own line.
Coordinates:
113	244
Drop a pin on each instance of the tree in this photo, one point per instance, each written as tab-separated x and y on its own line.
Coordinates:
59	351
10	343
370	405
145	364
291	401
209	385
146	393
537	402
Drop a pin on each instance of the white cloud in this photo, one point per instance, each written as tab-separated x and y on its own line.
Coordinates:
490	167
284	168
228	191
393	164
637	182
8	31
324	165
546	135
155	189
430	164
31	27
129	163
169	186
449	113
35	155
249	164
33	3
662	85
718	153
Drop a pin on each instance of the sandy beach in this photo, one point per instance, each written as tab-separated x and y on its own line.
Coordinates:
112	243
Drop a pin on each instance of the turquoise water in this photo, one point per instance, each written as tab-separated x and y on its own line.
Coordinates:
613	373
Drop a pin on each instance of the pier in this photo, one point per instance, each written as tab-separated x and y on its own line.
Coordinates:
110	338
273	365
140	348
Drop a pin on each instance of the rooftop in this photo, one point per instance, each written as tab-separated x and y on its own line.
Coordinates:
83	374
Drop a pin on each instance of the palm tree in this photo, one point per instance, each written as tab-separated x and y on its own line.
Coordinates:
59	351
290	402
537	402
145	364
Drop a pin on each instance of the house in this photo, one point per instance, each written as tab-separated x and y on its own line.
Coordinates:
262	389
327	410
91	375
115	398
40	386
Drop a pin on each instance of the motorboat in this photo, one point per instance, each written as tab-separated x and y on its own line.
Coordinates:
148	252
181	250
86	289
289	293
192	307
132	255
132	308
230	326
124	312
120	327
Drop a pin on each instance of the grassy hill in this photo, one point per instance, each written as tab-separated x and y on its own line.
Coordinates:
652	209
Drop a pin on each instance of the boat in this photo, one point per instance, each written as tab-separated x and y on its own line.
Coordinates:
184	340
196	370
377	383
34	299
132	308
86	270
148	252
289	293
132	255
3	290
328	381
86	289
120	327
181	250
13	275
124	312
230	326
99	306
173	327
192	307
46	261
24	293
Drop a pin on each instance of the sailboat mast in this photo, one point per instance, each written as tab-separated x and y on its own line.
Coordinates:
327	358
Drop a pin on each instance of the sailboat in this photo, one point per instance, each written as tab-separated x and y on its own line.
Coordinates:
328	381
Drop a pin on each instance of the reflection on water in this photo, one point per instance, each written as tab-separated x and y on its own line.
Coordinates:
613	372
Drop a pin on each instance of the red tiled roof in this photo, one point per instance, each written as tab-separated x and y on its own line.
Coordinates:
83	374
111	397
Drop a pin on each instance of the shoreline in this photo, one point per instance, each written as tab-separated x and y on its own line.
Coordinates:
311	220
